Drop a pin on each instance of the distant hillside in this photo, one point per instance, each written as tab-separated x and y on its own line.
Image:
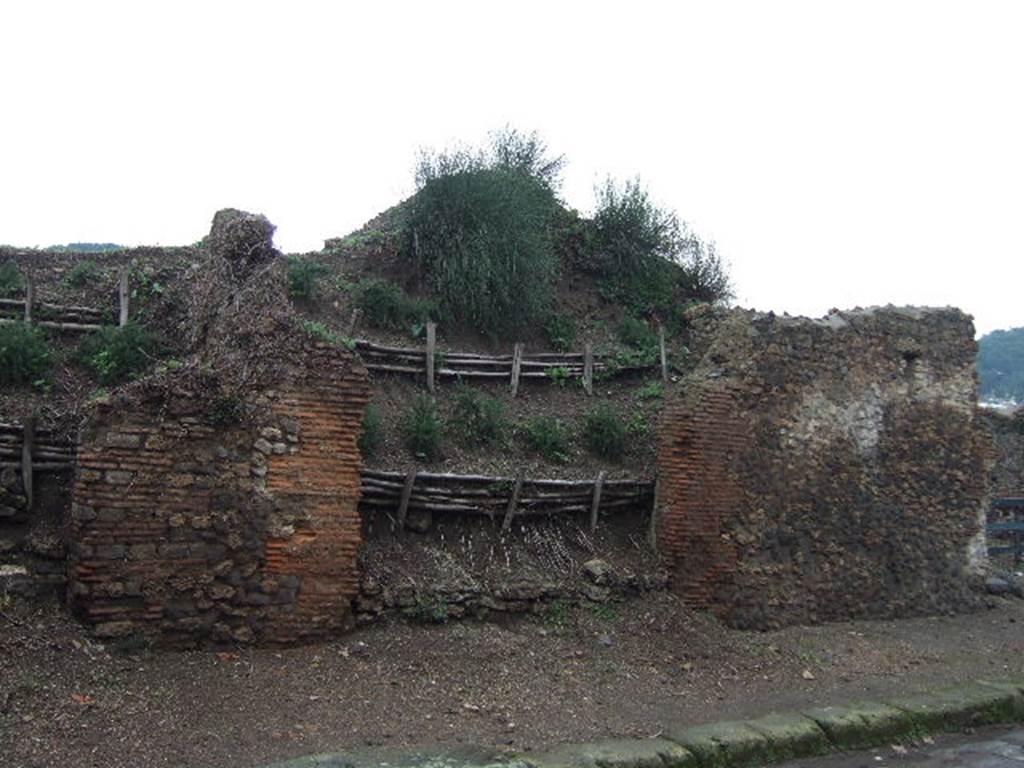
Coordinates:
84	248
1001	364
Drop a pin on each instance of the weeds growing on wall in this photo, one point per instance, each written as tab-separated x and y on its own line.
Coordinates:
427	610
604	433
477	418
548	437
118	354
479	229
25	354
321	332
226	409
422	428
12	282
304	276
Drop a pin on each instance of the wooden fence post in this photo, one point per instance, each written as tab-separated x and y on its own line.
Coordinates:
596	504
354	321
652	531
664	357
27	444
431	347
513	502
403	504
517	364
122	296
30	290
588	368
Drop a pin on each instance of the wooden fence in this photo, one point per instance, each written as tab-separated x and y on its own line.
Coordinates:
63	317
31	450
514	367
500	497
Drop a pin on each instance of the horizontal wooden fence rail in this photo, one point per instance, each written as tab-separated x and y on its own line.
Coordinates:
513	367
44	455
31	450
500	497
63	317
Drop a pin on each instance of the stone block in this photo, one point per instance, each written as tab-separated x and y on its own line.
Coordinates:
791	735
863	724
723	745
114	629
110	514
122	440
110	551
616	753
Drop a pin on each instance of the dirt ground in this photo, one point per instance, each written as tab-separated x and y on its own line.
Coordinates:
569	674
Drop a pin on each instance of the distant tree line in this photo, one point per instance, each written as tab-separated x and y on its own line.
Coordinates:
84	248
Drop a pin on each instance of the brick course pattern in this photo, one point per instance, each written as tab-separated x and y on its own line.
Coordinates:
189	531
828	469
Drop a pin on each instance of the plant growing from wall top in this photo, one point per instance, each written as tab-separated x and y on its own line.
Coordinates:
479	230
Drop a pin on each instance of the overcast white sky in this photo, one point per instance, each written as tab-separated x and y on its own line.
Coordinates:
840	154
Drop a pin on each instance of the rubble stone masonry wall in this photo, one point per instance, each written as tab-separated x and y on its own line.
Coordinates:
1008	436
824	469
190	527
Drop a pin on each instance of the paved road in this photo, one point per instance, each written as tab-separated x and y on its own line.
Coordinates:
988	748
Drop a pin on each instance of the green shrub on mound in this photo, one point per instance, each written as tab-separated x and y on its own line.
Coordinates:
371	437
422	428
83	273
117	354
649	259
11	280
547	436
25	355
604	433
479	229
386	305
304	277
476	418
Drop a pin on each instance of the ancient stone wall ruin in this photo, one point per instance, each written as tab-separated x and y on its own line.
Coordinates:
1008	439
187	527
819	470
218	498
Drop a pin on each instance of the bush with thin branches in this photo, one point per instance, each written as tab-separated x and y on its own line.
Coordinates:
479	229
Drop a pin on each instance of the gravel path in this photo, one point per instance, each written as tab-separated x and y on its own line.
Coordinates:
567	675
